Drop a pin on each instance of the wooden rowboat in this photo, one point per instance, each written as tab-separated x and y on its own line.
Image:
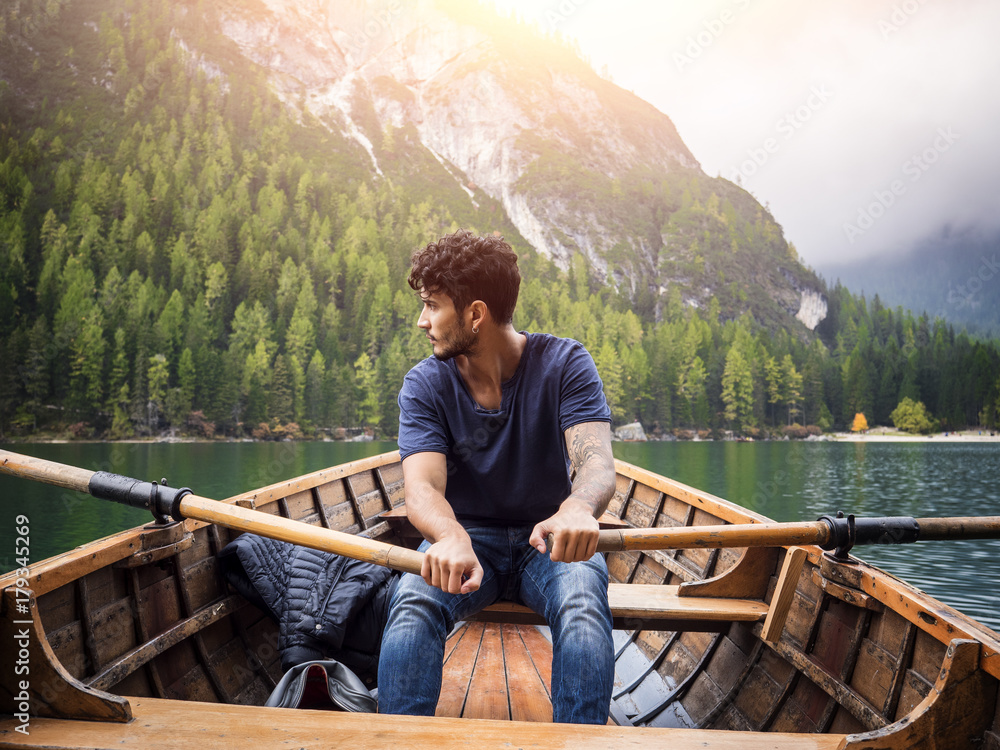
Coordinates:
136	641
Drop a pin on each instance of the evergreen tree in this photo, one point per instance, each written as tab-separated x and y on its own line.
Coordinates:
791	381
256	383
158	378
369	404
775	383
737	390
281	393
315	401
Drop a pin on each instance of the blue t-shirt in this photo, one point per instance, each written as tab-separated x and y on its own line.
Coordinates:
507	466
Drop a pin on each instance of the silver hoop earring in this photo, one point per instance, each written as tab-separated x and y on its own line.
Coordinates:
475	330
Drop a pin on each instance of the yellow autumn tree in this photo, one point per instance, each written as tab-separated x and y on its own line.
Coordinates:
860	424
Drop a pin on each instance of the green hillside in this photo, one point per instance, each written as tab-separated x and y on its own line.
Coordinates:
181	251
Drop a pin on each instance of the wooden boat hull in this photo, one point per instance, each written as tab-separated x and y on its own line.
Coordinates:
716	648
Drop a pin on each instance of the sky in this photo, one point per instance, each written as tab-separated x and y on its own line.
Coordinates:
865	126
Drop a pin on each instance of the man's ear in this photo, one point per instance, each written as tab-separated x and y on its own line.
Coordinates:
479	313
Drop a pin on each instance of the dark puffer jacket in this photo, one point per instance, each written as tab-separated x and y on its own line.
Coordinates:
326	606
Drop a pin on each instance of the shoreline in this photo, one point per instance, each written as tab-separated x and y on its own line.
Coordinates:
885	435
875	435
175	440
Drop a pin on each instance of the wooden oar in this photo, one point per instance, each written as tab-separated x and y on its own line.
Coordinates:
831	533
181	503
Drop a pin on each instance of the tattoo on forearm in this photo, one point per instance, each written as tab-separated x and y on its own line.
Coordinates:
589	448
585	445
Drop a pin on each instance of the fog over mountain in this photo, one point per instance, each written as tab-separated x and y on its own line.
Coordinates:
736	76
954	276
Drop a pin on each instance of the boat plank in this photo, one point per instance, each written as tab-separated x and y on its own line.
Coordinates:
831	684
452	642
457	671
155	682
890	708
174	725
933	617
804	708
529	698
299	504
51	574
315	479
765	690
163	641
488	689
952	716
541	654
687	495
874	674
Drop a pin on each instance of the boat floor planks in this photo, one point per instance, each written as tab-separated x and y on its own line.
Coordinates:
496	671
176	725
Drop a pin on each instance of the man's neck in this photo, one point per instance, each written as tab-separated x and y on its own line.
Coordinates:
495	360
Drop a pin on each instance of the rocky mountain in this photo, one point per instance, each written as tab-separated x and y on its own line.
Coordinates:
578	165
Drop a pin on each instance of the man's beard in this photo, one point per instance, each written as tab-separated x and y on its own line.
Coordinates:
461	342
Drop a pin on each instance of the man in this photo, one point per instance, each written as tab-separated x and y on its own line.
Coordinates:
489	429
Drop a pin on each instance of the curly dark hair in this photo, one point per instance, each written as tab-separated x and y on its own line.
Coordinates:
467	268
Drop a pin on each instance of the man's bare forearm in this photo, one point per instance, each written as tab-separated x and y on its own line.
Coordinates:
429	512
425	476
589	447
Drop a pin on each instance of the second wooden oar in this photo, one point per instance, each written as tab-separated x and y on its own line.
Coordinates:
181	503
839	533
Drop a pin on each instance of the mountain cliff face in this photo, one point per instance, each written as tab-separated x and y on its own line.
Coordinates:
579	165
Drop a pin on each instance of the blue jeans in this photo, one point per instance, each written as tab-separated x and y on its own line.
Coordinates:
573	599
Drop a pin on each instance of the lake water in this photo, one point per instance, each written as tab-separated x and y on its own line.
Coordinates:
786	481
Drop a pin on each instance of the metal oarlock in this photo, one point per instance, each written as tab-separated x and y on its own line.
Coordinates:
845	532
159	499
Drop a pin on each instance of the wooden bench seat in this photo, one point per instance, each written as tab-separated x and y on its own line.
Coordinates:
650	605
